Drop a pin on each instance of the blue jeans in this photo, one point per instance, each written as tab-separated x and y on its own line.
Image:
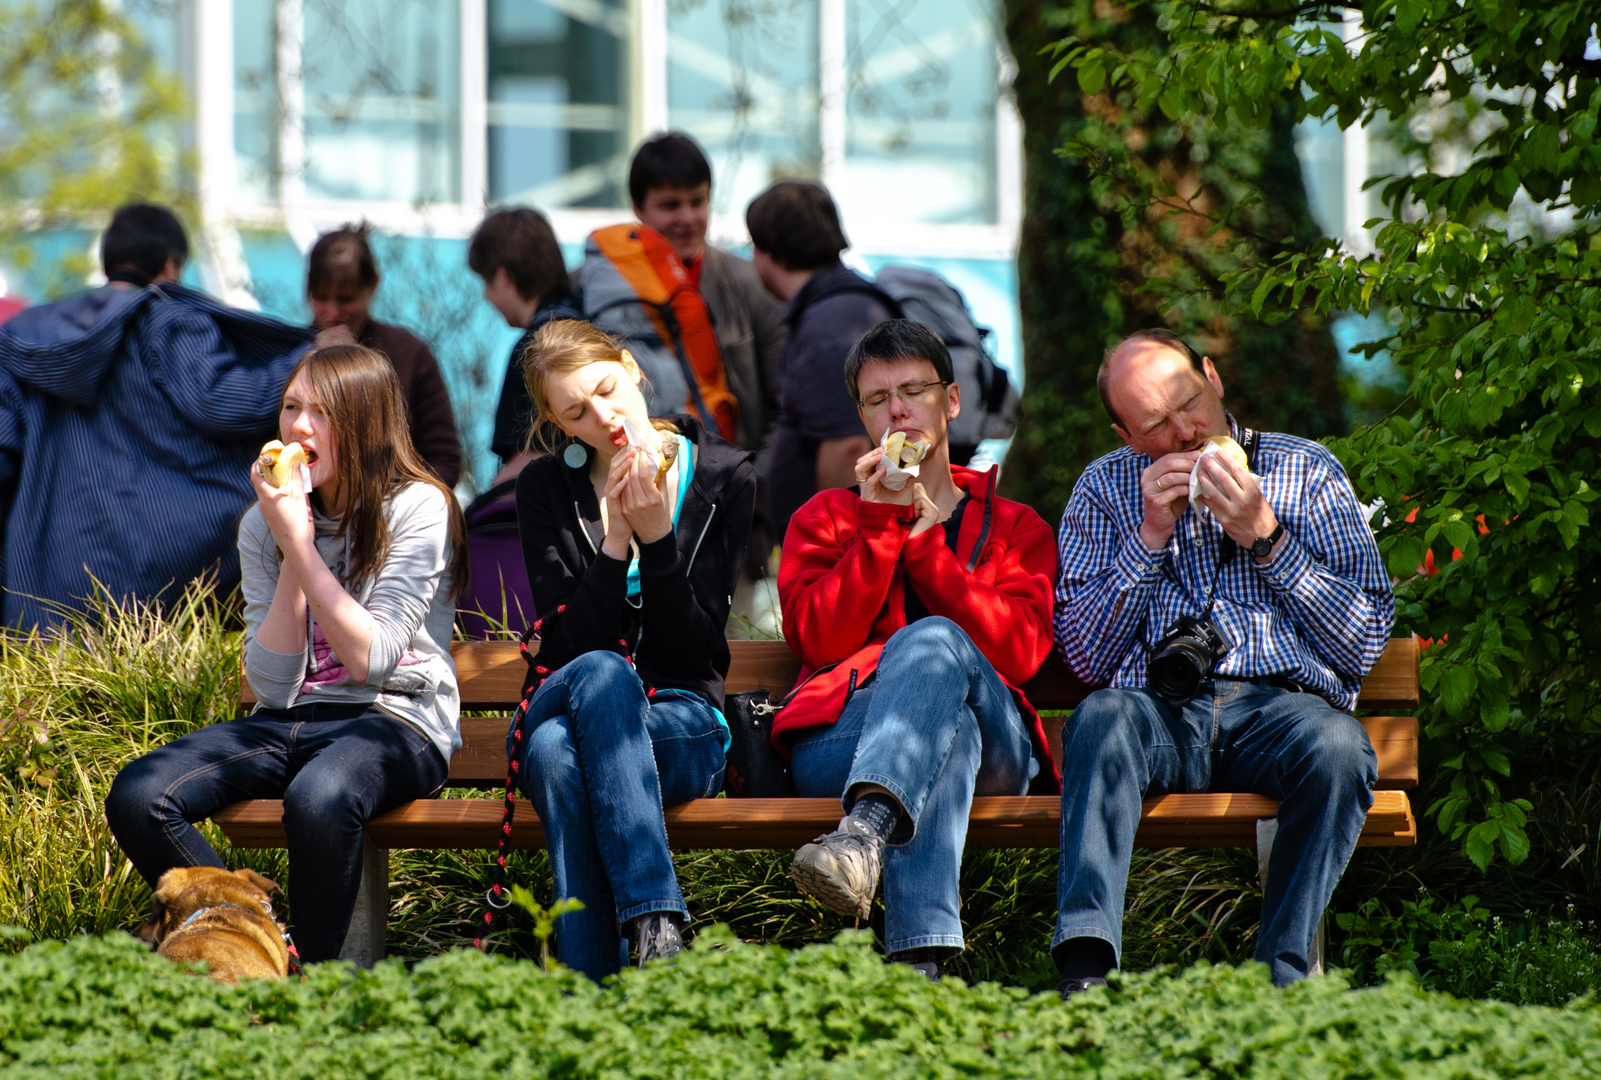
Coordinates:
1122	745
602	760
935	726
335	766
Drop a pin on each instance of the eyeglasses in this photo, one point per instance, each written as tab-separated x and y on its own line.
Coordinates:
908	392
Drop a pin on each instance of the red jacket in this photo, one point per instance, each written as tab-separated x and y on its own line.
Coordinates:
842	583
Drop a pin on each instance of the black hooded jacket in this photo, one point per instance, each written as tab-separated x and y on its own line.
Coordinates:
674	629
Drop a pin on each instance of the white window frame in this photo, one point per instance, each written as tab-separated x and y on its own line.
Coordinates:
303	217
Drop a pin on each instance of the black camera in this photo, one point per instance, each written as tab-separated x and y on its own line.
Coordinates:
1184	658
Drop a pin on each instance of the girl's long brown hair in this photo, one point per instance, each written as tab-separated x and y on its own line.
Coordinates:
358	392
566	345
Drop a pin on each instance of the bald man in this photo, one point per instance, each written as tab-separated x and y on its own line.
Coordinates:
1232	633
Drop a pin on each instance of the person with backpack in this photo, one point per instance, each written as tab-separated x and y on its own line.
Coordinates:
341	280
670	182
795	230
633	528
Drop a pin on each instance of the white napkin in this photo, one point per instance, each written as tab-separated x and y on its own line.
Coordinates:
642	442
1195	474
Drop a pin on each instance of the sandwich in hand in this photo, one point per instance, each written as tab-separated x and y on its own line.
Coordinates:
279	462
1217	444
1226	445
903	452
901	458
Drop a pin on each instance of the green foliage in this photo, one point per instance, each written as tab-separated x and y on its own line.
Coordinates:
1095	264
88	121
1463	949
99	1007
1495	328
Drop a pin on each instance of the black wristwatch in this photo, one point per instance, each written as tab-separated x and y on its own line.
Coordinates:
1262	546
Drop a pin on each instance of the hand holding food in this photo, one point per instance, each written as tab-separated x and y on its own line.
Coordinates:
1217	444
279	462
901	458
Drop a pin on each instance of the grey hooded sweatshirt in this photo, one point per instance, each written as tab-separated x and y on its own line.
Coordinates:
410	674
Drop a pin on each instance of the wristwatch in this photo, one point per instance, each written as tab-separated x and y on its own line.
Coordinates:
1262	546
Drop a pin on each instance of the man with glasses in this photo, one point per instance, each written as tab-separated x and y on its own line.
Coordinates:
916	613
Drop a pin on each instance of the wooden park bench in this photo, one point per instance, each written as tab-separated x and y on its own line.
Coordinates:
491	678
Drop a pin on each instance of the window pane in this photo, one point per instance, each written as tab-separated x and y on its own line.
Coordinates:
558	102
920	110
742	79
383	100
255	99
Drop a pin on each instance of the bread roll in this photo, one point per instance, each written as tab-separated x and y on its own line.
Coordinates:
278	462
1227	445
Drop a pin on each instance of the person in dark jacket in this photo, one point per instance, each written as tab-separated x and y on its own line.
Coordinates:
123	411
525	279
341	280
794	227
634	531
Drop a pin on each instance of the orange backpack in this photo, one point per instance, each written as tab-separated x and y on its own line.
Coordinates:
635	287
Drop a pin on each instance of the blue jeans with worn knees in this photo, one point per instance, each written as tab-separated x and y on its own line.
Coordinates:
602	760
335	766
1124	744
935	726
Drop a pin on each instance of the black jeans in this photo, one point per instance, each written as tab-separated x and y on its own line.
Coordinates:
335	766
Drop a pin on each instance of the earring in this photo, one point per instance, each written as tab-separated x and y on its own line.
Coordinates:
576	455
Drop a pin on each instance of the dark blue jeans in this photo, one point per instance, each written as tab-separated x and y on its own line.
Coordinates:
336	767
935	727
602	761
1122	745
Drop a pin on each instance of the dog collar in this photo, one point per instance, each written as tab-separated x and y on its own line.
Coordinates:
197	912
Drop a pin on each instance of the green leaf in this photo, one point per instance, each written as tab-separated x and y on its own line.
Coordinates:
1091	77
1480	843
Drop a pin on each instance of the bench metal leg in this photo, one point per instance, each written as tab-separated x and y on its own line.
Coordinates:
364	941
1266	831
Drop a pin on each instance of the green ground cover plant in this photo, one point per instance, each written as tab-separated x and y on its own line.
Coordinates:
98	1007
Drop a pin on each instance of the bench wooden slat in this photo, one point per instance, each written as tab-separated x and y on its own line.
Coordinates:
490	675
481	761
743	824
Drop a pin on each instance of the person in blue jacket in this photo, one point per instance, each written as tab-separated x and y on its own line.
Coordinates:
129	417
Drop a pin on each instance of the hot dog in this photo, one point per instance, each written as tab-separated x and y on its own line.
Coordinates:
278	462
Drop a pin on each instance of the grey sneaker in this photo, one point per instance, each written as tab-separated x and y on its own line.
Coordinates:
841	869
656	937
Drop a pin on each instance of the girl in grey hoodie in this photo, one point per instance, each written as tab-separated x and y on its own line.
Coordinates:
349	593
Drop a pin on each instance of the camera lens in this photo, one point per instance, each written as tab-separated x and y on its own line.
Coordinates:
1175	673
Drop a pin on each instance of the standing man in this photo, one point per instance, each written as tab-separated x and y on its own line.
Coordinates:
516	254
795	229
670	182
916	613
129	417
1279	567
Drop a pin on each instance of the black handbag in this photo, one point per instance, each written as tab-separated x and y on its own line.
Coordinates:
755	770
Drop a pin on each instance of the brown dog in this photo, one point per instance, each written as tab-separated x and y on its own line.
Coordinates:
221	917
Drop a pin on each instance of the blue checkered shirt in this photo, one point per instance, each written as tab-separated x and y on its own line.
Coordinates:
1319	613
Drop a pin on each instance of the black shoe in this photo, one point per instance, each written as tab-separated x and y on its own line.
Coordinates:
656	937
1070	987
